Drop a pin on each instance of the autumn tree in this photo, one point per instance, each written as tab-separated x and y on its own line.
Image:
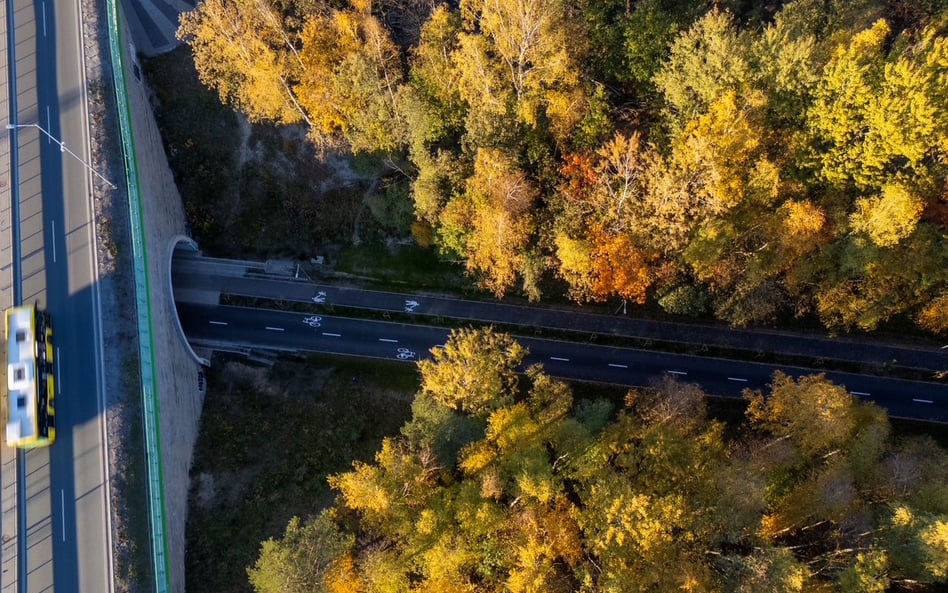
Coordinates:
244	50
706	61
517	58
351	77
308	558
504	482
335	69
474	372
876	111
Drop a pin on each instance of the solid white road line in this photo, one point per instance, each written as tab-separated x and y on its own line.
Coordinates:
62	500
738	379
388	340
58	382
618	366
332	334
677	373
275	329
44	19
559	358
923	401
52	233
217	322
862	393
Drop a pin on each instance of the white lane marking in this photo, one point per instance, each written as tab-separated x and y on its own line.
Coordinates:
62	500
922	401
559	358
618	366
737	379
275	329
44	19
332	334
677	373
862	393
217	322
52	233
58	382
388	340
49	126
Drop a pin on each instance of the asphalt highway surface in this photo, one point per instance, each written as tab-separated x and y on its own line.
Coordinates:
223	326
74	479
207	274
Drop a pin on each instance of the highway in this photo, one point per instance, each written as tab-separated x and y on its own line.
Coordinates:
66	522
192	275
226	326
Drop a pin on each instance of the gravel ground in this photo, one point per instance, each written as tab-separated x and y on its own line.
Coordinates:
177	374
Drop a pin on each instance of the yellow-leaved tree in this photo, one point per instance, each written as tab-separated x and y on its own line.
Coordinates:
245	50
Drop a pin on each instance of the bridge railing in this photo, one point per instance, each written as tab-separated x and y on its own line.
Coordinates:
156	504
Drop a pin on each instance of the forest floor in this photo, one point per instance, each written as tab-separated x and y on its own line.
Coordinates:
269	438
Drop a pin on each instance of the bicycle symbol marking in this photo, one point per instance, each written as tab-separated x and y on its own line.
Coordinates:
410	306
320	297
313	321
404	354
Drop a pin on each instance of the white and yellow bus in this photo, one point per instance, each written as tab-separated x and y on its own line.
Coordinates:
30	378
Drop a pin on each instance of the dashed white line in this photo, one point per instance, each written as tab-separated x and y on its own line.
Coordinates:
618	366
862	393
332	334
677	373
217	322
388	340
62	500
738	379
275	329
44	18
59	383
52	233
559	358
922	401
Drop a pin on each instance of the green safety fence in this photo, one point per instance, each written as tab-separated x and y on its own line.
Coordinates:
156	503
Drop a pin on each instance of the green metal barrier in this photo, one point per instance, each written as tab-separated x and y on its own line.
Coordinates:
156	503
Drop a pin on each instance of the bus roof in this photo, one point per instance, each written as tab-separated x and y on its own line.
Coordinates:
21	374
